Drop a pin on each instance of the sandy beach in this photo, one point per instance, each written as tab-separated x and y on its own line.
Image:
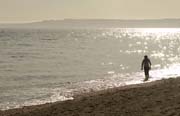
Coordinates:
159	98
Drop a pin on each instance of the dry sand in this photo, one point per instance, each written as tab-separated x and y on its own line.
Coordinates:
160	98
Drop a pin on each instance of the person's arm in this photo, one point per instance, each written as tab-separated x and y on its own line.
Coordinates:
142	65
150	64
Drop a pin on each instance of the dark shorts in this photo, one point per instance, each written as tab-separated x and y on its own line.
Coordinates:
146	70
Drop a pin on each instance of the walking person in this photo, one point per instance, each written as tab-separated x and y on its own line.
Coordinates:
146	65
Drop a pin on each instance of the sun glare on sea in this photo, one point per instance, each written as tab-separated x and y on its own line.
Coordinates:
141	32
158	30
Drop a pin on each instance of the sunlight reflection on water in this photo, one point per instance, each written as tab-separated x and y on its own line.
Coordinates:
161	44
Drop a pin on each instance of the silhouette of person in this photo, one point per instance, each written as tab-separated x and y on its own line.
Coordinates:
146	64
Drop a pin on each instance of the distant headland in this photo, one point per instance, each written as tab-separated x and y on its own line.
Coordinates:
99	23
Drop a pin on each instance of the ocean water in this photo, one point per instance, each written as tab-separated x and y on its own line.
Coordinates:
39	65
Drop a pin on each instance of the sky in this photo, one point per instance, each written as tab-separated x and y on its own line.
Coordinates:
12	11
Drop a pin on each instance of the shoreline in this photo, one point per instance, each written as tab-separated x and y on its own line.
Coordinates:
161	97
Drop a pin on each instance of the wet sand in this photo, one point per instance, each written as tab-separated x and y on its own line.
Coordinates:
159	98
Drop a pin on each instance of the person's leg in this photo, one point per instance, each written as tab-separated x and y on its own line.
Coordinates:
146	71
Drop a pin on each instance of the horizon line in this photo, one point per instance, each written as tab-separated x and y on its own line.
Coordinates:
44	20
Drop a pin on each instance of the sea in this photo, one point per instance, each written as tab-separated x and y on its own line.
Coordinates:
40	66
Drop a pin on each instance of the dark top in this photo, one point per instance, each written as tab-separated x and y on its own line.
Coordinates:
146	63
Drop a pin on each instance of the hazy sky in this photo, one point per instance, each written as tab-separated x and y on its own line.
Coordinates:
36	10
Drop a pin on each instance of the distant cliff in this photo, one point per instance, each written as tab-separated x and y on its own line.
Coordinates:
99	23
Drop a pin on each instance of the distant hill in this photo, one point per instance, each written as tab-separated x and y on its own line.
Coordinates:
99	23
